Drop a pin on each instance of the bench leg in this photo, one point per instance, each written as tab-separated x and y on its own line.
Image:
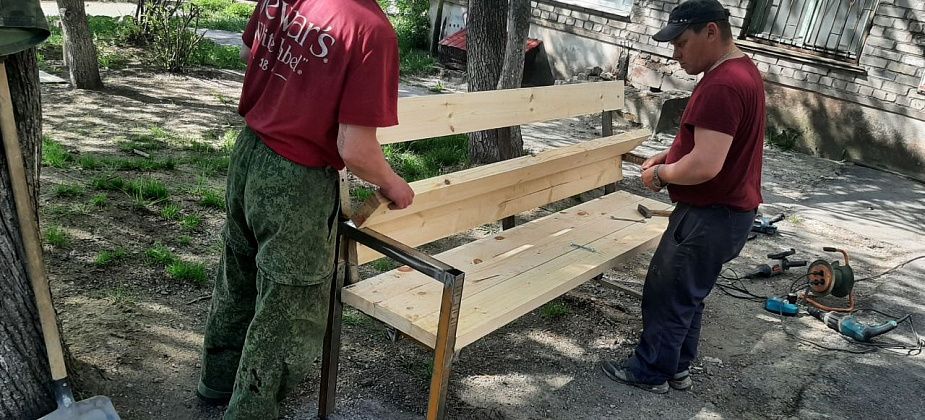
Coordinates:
445	347
607	130
330	357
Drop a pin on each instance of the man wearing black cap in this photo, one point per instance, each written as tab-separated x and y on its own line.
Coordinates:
713	173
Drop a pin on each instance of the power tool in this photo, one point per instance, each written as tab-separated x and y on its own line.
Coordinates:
783	265
849	326
765	225
781	306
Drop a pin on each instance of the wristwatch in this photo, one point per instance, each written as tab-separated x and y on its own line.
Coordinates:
656	180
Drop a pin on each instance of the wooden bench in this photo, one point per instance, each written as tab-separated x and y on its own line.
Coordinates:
508	274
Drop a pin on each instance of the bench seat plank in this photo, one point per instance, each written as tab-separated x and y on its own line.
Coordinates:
513	272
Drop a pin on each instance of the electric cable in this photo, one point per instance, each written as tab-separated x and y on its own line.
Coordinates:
898	266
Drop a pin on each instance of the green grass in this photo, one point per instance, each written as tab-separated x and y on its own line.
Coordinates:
56	236
188	271
90	162
100	200
147	188
141	164
361	194
415	62
119	295
159	254
171	211
210	54
108	182
191	222
54	154
226	15
68	190
212	199
429	157
185	240
354	318
554	310
110	256
210	166
384	264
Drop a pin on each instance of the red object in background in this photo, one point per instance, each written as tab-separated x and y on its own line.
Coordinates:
452	50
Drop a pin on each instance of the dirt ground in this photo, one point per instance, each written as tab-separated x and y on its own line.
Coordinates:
135	332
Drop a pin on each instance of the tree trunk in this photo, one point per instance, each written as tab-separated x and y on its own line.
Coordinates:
485	49
510	141
495	61
79	51
24	374
437	29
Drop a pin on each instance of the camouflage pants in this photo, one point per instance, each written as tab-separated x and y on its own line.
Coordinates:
269	306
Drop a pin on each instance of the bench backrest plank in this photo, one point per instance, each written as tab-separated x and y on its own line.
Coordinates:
440	115
462	200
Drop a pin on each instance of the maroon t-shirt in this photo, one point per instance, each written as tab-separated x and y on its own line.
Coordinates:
730	100
315	64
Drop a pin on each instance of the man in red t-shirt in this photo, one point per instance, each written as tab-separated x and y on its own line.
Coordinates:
322	75
713	173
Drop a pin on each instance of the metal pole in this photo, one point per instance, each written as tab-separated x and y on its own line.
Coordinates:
606	131
445	346
330	357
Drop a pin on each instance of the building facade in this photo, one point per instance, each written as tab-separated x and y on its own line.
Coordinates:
845	78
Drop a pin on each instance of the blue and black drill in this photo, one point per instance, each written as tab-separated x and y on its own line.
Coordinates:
849	326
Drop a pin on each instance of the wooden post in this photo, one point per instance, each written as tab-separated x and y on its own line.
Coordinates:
505	152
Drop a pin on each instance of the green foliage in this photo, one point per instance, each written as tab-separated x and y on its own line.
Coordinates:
56	236
384	264
187	271
147	188
428	157
210	54
89	162
185	240
171	211
361	194
100	200
226	15
212	199
191	222
783	138
411	23
160	255
108	182
414	62
172	33
68	190
54	154
108	257
553	310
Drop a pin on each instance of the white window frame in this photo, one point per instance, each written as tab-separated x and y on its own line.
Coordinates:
613	7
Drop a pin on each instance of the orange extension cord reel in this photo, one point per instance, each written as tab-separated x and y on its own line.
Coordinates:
830	279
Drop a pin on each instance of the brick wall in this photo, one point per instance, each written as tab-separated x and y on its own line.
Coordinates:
888	75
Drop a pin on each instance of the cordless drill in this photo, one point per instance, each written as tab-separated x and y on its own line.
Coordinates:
848	325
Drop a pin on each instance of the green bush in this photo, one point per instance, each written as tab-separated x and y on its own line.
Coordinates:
412	24
171	31
210	54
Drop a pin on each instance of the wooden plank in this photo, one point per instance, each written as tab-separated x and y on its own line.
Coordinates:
440	115
459	216
409	301
466	184
473	260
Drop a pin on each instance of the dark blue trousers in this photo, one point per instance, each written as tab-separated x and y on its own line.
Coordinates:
689	257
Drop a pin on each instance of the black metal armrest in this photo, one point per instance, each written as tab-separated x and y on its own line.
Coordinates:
430	266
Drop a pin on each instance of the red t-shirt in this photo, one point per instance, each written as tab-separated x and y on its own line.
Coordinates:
315	64
730	100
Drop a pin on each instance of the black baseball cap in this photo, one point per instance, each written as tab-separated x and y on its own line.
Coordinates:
690	12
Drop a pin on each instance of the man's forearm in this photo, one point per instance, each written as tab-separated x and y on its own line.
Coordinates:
685	171
363	156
